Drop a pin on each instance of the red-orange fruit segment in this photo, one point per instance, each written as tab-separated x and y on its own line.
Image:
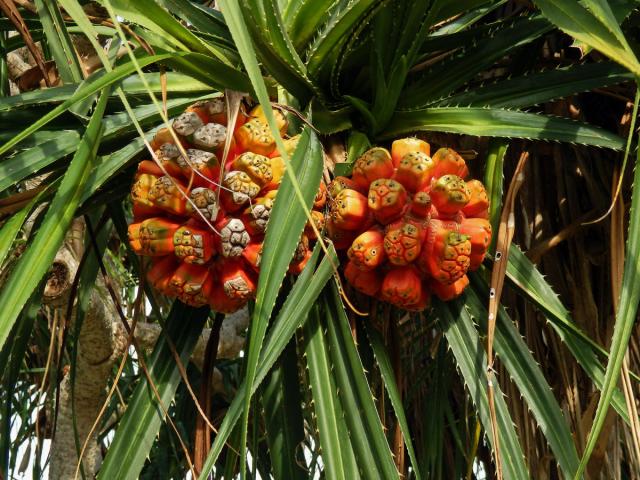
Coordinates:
168	194
296	266
341	238
478	205
321	197
367	250
160	273
342	183
403	242
375	163
421	207
388	200
401	147
252	254
445	252
479	232
368	282
449	162
187	284
237	279
349	210
415	171
238	190
449	194
153	237
193	244
218	299
422	303
449	291
318	221
402	286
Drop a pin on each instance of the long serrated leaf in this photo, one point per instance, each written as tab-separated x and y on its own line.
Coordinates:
576	20
36	259
446	76
10	229
541	87
101	81
386	370
326	404
142	420
625	317
490	122
284	429
59	41
285	226
292	315
529	282
528	377
469	353
369	442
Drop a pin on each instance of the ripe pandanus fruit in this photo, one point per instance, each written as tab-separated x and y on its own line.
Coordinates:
258	167
479	232
277	172
402	147
255	136
368	282
449	162
402	242
451	290
199	167
193	244
301	256
321	197
449	194
421	207
165	193
341	238
367	250
233	237
343	183
318	221
203	204
415	171
167	154
445	254
256	215
422	303
373	164
187	123
237	280
252	253
258	113
238	190
187	284
290	145
219	300
387	200
349	210
153	237
161	271
478	205
402	286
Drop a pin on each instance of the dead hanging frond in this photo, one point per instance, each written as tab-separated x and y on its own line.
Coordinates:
503	242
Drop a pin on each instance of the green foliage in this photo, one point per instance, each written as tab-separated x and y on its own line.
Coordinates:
369	70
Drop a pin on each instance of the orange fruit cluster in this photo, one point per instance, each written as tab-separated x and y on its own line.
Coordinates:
411	224
203	223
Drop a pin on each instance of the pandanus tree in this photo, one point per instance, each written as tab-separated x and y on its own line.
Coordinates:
206	138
